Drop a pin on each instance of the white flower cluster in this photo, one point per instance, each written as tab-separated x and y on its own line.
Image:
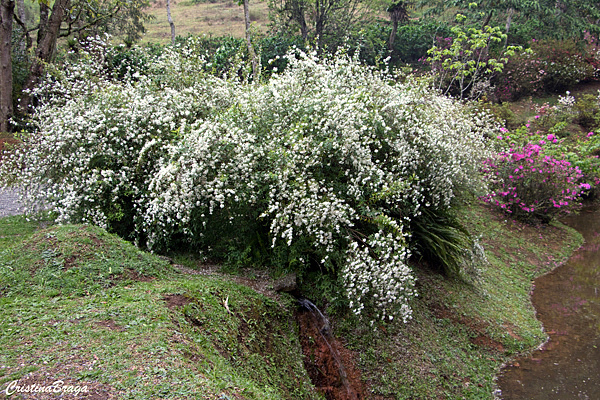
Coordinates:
377	273
329	153
566	103
96	141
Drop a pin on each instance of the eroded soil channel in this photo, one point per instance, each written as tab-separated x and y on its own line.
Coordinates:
329	364
568	303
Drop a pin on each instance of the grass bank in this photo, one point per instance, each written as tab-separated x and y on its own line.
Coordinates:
462	333
83	306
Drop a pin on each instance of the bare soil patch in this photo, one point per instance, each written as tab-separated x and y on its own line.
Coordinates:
176	300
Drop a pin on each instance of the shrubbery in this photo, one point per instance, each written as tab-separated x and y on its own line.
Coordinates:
538	173
95	140
321	167
551	66
528	184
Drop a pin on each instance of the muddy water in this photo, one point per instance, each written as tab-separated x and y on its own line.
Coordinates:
568	304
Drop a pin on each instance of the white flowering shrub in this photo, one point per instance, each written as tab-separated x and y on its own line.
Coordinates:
370	269
95	140
324	166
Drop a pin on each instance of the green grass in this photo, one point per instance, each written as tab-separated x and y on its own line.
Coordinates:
86	307
14	229
462	333
81	305
74	260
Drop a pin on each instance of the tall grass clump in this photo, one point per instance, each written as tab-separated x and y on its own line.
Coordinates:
321	168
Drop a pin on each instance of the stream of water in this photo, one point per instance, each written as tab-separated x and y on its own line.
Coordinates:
567	301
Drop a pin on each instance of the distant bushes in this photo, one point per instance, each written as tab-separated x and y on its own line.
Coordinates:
551	66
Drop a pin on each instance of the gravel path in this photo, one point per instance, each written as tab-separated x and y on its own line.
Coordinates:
9	202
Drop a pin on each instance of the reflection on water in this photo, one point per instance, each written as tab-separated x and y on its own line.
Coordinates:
568	304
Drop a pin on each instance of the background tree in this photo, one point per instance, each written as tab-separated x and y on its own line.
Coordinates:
48	32
7	8
324	21
398	13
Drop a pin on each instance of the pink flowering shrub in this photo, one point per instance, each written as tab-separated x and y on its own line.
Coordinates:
528	184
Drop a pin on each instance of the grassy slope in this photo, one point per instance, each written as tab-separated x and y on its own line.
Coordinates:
462	333
219	18
140	330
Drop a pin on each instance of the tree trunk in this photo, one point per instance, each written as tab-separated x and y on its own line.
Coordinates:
508	21
487	20
251	52
7	9
393	35
303	26
44	51
171	23
26	42
44	17
299	11
320	16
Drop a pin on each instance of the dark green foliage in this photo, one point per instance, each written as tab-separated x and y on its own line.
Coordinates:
413	39
273	48
124	62
587	110
221	51
442	241
525	20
